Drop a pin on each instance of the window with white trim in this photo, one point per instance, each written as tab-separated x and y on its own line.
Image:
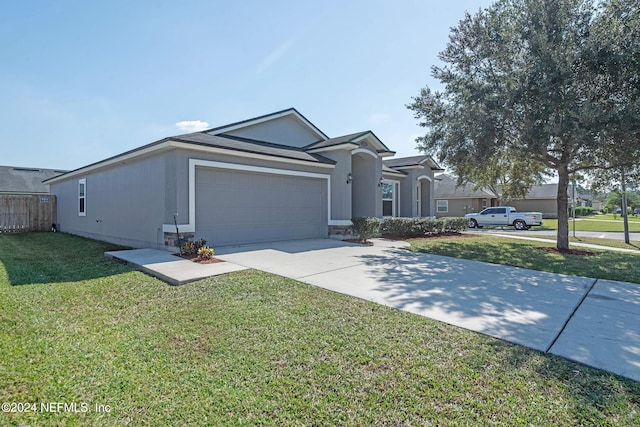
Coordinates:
82	197
388	199
443	206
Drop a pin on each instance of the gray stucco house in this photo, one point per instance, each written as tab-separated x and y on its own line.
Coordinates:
273	177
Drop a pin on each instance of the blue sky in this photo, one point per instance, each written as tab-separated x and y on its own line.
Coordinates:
84	80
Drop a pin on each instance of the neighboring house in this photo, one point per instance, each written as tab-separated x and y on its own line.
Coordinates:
541	198
273	177
454	200
25	181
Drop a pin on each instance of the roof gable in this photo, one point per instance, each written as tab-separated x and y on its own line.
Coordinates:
365	139
413	162
286	127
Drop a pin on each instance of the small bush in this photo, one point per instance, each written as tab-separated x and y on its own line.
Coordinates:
192	248
365	227
206	252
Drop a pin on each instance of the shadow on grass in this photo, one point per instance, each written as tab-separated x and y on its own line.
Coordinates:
44	258
595	392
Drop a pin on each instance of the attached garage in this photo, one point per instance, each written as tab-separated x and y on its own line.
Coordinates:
238	206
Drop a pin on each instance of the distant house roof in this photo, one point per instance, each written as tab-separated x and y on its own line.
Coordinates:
446	187
18	180
413	161
543	191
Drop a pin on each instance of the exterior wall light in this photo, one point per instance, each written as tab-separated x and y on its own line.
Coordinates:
380	182
349	178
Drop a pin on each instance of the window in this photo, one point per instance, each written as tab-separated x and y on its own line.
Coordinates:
501	210
389	198
82	197
443	206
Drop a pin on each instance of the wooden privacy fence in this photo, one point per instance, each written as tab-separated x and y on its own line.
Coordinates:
26	213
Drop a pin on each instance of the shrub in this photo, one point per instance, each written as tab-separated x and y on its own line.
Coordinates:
192	248
401	227
206	252
454	224
584	210
365	227
417	227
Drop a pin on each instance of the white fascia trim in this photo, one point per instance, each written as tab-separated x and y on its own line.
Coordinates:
387	154
193	163
393	174
424	177
365	151
346	145
267	118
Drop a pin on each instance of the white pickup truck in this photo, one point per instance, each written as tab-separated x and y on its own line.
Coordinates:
504	216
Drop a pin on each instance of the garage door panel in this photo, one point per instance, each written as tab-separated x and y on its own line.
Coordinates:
234	207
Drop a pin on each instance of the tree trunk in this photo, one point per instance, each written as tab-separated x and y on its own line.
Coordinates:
625	214
562	241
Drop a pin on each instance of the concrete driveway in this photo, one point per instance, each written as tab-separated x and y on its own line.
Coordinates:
522	306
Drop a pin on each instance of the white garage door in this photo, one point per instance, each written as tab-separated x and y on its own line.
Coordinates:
236	207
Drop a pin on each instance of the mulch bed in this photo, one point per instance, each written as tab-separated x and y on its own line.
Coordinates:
567	251
196	258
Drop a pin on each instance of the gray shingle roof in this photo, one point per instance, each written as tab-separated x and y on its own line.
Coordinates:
446	187
544	191
334	141
16	180
246	145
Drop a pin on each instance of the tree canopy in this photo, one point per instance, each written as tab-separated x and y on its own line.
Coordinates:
537	87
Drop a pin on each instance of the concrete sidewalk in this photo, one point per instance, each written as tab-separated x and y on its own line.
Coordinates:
170	268
595	322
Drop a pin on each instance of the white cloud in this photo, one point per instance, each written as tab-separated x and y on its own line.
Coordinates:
274	55
192	125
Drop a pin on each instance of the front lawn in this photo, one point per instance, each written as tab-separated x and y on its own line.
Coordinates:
524	253
586	224
250	348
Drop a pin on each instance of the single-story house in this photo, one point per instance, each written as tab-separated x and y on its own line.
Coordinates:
25	181
541	198
273	177
454	200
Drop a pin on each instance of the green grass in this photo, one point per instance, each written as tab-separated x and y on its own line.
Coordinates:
585	224
634	245
250	348
610	217
523	253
